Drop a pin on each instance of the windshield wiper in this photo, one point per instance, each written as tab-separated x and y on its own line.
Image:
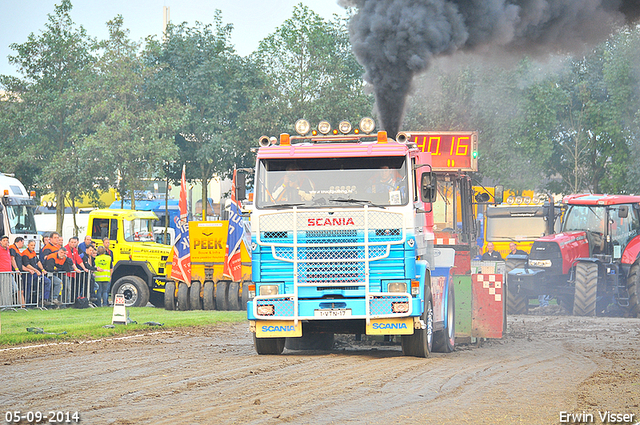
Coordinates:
283	205
357	201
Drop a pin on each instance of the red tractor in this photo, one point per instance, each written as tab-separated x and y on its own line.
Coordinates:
592	267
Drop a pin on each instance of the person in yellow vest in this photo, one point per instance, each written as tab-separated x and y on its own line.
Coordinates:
103	276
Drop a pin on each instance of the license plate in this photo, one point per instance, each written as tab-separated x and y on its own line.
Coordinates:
332	312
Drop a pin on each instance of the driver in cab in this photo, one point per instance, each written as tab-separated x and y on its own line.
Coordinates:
294	187
390	183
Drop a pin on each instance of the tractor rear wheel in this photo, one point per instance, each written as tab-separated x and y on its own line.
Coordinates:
633	284
195	301
584	301
208	300
170	295
183	296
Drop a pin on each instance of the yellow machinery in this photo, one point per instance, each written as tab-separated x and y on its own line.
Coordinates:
209	289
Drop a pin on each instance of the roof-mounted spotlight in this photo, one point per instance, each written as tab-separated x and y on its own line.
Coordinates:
344	127
324	127
302	127
367	125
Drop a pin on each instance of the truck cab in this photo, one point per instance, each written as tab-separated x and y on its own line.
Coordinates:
138	261
342	238
17	211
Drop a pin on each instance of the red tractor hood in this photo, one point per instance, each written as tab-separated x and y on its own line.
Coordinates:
572	245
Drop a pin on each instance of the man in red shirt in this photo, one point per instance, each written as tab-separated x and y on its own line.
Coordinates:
79	280
8	286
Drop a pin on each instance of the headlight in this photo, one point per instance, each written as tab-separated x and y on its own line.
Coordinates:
397	287
367	125
268	289
540	263
324	127
302	127
344	127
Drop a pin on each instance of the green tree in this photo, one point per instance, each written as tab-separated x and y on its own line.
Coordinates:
312	70
134	133
198	66
53	65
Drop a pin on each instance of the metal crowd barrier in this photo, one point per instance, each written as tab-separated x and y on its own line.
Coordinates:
23	290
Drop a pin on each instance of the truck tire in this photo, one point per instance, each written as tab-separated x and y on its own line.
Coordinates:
584	300
134	289
268	345
195	301
633	283
516	303
244	299
444	341
420	344
221	295
156	298
183	296
208	300
170	295
233	296
311	341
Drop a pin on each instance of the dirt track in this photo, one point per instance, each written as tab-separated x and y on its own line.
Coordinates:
545	365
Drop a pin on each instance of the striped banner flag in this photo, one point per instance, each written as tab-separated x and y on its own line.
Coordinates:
232	257
181	269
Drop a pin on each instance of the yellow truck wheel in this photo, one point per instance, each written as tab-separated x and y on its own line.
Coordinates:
233	300
195	302
221	295
245	296
208	300
170	295
183	296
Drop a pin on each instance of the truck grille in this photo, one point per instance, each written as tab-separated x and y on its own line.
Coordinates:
332	255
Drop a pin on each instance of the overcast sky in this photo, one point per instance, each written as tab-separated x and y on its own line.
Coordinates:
252	20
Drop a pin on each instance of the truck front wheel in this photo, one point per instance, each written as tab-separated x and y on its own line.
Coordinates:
268	345
584	301
134	289
633	283
420	344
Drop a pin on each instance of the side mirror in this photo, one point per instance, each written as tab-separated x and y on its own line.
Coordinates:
482	197
623	211
428	187
498	194
241	186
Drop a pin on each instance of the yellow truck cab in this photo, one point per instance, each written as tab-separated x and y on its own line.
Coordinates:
138	262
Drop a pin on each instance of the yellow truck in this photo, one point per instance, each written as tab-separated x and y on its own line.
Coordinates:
139	262
521	219
209	289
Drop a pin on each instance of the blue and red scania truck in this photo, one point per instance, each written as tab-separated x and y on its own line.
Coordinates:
343	242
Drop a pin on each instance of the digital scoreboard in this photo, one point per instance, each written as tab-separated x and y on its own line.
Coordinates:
450	150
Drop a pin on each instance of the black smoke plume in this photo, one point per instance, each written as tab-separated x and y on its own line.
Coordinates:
396	39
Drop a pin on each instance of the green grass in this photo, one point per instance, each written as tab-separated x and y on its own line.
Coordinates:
87	323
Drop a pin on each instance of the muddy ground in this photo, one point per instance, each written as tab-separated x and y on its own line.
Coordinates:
545	365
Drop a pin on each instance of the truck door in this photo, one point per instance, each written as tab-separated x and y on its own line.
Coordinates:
420	164
105	228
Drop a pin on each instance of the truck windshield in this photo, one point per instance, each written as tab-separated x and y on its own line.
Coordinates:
585	217
515	228
138	230
21	219
335	182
